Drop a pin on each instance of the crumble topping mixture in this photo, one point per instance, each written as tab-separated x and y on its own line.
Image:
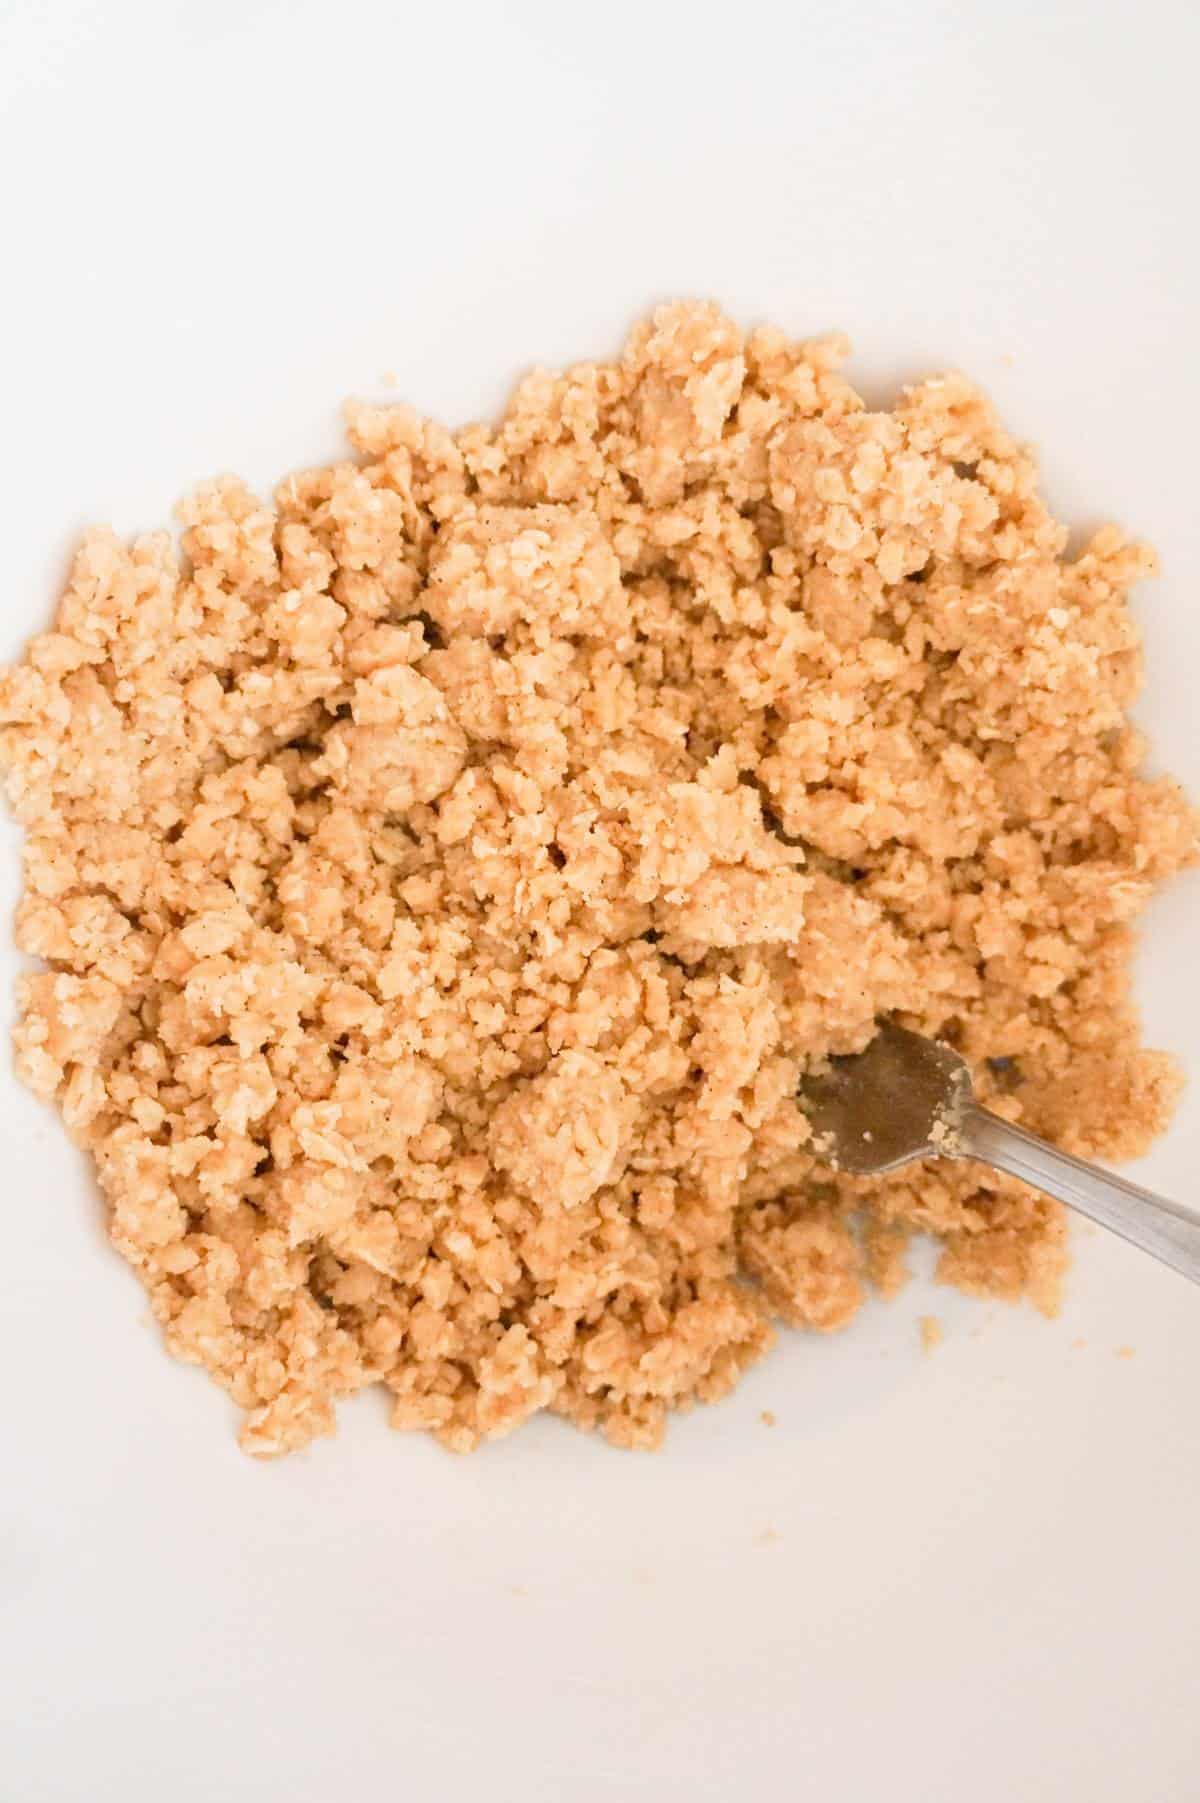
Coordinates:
443	875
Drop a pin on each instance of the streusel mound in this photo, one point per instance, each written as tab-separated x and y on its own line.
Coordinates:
442	876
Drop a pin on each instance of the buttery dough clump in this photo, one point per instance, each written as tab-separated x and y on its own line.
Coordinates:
443	876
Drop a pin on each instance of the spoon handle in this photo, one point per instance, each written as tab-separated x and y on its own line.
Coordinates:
1170	1232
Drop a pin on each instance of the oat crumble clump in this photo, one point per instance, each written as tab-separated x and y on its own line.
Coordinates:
443	875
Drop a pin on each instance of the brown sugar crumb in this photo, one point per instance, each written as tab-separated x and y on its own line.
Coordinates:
932	1332
442	875
767	1418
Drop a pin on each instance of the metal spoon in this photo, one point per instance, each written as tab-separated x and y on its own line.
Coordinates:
907	1097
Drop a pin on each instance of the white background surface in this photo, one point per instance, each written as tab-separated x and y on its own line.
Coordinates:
968	1576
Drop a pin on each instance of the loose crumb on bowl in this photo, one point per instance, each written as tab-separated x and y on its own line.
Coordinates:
441	875
931	1331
